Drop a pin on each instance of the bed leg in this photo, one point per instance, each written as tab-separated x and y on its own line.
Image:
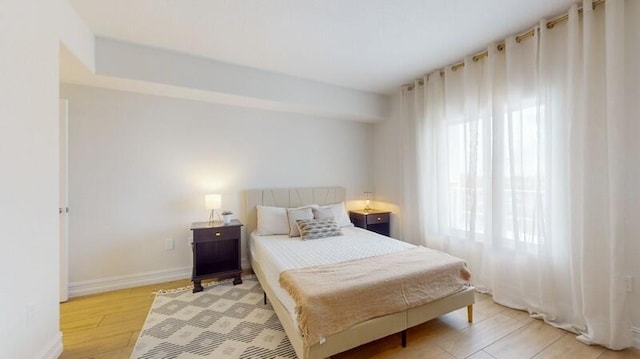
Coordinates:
404	338
470	313
265	298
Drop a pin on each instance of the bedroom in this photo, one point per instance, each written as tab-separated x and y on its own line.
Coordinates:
163	145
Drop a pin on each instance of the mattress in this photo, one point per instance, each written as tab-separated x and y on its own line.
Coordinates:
277	253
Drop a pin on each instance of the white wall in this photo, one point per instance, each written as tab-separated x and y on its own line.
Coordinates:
29	267
388	165
75	35
239	85
140	165
632	249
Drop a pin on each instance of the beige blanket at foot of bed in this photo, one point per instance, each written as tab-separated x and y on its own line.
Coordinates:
331	298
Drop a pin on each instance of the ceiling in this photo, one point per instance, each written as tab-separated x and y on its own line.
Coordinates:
368	45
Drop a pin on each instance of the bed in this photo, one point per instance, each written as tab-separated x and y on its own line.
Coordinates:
270	255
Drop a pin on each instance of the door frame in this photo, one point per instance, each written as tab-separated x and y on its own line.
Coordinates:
63	209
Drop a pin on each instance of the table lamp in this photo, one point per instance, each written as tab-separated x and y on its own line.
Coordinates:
367	201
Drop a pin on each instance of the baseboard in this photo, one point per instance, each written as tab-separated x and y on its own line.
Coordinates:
636	336
127	281
53	350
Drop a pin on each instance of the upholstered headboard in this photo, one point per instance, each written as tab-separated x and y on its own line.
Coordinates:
288	197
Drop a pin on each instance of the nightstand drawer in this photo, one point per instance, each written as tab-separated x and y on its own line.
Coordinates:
219	233
378	218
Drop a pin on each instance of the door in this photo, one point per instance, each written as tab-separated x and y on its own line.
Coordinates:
63	209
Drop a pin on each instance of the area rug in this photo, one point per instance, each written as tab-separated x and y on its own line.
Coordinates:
222	321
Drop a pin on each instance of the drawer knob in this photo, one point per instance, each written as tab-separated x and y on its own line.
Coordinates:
379	219
218	234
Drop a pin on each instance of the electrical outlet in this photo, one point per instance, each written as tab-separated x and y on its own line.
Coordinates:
628	283
169	244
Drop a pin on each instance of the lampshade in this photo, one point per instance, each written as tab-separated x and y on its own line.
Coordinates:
213	201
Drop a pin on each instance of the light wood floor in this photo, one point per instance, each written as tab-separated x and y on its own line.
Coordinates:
107	325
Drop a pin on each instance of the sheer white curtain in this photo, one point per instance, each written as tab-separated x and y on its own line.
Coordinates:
512	162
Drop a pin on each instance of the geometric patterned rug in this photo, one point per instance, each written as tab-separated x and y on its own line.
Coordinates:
222	321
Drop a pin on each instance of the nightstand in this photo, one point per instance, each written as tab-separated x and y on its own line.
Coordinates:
216	252
373	220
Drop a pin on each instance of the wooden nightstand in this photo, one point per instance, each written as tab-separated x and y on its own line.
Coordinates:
373	220
216	252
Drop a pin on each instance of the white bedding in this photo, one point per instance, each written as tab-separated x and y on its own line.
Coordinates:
280	252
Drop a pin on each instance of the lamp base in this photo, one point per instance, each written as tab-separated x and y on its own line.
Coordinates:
212	217
367	203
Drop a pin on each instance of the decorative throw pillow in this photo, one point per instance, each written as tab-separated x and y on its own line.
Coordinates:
318	228
342	218
272	220
295	214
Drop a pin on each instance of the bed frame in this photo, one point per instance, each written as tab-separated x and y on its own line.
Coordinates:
359	334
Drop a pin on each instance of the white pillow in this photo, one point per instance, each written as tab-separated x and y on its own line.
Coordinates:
321	213
272	220
342	218
295	214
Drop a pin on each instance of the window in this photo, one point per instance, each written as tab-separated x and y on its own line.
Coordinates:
520	190
523	176
466	177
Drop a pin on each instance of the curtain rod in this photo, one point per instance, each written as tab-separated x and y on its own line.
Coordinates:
550	24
